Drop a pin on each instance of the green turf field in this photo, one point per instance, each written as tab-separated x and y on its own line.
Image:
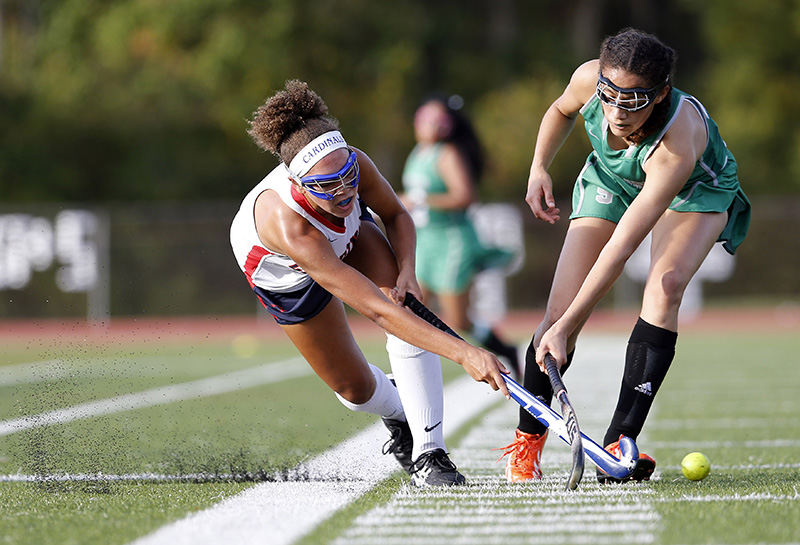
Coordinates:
120	474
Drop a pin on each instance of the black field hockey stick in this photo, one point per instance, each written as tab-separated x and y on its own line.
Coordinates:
570	419
619	468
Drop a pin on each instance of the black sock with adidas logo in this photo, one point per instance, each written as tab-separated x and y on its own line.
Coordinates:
537	383
650	353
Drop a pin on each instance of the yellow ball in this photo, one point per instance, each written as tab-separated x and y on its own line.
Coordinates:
245	346
695	466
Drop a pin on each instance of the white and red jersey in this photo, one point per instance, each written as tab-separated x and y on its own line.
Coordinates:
271	270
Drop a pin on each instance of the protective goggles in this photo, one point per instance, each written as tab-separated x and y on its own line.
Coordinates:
630	99
329	186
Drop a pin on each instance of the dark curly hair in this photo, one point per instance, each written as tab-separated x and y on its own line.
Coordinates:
290	119
645	55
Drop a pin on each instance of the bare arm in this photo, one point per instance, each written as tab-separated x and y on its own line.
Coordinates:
556	125
666	173
285	231
400	231
460	185
314	254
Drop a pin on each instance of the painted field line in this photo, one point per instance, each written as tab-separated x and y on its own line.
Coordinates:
545	539
141	477
219	384
36	371
755	496
745	467
279	513
766	443
716	423
229	477
116	366
488	510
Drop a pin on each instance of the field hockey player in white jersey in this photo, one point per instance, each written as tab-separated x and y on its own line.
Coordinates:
658	166
307	245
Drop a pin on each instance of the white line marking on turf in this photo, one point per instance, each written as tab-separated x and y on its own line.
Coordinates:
755	496
280	513
220	384
22	373
115	365
716	423
488	510
769	443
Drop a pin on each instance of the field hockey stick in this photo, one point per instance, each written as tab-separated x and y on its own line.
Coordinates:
571	421
619	468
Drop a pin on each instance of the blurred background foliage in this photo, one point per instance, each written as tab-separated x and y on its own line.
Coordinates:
142	100
138	109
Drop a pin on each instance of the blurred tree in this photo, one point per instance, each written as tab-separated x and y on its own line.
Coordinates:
751	83
148	99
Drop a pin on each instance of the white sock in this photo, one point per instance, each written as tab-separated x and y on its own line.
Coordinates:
418	375
385	401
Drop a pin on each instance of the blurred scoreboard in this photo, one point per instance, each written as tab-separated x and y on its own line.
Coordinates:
73	244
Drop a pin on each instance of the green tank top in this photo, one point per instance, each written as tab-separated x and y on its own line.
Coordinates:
627	165
421	174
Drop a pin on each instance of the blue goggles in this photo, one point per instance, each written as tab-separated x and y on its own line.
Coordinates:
629	99
329	186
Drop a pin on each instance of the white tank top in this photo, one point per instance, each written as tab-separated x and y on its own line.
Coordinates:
271	270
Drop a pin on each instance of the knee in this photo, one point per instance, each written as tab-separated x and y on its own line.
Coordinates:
356	390
667	288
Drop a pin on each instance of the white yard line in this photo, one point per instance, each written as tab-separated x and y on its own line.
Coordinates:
766	443
490	511
36	371
124	477
754	496
279	513
116	366
220	384
719	423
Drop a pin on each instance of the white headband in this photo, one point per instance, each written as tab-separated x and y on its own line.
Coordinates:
314	151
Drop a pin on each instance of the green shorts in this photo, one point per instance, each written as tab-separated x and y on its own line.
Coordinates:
450	255
597	194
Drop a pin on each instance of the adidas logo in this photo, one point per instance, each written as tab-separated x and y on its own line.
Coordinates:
646	389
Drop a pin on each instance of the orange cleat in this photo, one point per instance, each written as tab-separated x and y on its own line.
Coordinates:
645	466
524	457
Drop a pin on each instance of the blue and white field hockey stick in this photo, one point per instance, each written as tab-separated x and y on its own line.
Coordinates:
570	422
619	468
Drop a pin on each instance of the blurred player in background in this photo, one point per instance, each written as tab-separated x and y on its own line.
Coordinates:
439	180
307	244
659	166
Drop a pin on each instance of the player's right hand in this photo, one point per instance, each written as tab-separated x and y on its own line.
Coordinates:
484	366
540	197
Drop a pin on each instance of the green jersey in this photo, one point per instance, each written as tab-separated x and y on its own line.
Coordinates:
421	176
449	252
611	178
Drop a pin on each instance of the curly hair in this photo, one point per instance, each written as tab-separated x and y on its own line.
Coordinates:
645	55
290	119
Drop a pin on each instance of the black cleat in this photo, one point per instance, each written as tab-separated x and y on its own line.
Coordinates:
400	443
641	472
434	468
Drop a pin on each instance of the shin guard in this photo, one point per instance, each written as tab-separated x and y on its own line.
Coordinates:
537	383
649	355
